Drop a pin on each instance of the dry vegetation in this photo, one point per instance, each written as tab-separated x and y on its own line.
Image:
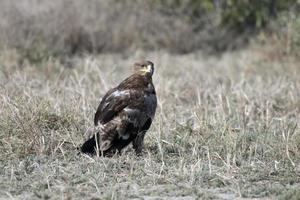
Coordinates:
226	127
90	26
66	27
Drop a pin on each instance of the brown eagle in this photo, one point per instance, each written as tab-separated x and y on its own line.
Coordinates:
125	114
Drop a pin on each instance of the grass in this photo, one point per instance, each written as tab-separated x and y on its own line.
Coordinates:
98	26
226	127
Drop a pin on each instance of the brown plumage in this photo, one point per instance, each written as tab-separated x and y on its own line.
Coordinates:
125	113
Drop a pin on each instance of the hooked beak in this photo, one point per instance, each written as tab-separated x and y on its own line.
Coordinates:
148	69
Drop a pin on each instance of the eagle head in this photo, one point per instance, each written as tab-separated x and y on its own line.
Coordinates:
144	67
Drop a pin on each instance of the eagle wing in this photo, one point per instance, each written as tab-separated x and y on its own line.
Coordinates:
113	103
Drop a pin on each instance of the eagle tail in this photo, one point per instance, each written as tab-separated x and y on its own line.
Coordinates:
89	147
95	144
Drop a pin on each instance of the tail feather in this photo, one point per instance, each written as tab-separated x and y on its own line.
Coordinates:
109	144
89	147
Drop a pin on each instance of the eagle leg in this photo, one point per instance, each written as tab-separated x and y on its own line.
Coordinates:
138	142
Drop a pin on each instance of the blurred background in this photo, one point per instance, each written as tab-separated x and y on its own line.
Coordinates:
39	29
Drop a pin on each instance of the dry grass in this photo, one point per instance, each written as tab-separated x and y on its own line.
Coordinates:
44	28
89	26
226	127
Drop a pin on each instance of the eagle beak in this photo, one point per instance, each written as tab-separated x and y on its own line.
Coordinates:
149	69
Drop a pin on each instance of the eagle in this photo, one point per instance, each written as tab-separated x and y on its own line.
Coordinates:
124	114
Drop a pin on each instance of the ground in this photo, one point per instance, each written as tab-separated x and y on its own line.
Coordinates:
226	127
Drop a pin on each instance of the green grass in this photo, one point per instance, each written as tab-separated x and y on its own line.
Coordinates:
226	127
